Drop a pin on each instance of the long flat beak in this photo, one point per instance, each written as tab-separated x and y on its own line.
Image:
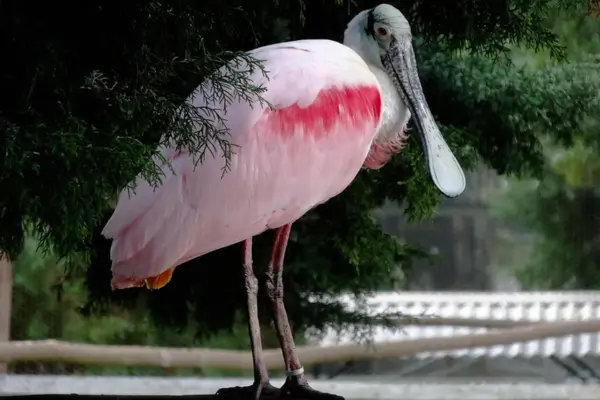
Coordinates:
444	169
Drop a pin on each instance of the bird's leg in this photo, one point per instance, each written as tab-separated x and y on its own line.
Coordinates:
296	385
261	383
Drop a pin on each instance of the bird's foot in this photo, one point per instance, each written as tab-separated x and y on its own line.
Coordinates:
302	391
262	391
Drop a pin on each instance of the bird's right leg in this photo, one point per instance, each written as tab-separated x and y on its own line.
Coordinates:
261	385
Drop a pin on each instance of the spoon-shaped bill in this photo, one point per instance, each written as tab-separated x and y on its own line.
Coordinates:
444	169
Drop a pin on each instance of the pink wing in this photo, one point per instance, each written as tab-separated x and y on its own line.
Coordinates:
327	107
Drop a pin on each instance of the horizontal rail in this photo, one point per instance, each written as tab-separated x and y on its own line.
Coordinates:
56	351
490	323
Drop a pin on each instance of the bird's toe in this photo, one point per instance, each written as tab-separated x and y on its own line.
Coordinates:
294	391
253	392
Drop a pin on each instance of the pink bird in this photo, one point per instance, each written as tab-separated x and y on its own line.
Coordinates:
336	108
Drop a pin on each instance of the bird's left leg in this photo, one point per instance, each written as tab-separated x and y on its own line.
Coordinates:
296	385
261	385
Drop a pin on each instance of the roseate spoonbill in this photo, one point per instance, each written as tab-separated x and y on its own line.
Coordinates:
335	108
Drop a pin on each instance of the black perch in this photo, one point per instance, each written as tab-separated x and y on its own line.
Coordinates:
132	397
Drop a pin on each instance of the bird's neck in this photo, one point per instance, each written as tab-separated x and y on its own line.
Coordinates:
363	45
391	130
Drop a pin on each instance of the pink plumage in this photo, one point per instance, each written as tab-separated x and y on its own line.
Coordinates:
336	108
290	159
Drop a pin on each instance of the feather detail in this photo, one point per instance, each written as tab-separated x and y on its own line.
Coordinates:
380	153
303	151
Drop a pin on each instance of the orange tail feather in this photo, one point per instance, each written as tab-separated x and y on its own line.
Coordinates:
157	282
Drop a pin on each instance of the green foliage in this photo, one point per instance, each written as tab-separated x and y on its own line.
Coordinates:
82	113
45	305
561	208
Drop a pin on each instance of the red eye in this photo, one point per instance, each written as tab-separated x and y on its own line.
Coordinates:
382	31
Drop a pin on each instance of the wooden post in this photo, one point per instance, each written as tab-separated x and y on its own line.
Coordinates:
5	302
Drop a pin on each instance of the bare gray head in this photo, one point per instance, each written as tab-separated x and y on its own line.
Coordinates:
382	37
372	31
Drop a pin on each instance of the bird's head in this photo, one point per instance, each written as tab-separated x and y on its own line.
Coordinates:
382	37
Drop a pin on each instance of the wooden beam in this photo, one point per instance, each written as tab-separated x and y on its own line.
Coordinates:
55	351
